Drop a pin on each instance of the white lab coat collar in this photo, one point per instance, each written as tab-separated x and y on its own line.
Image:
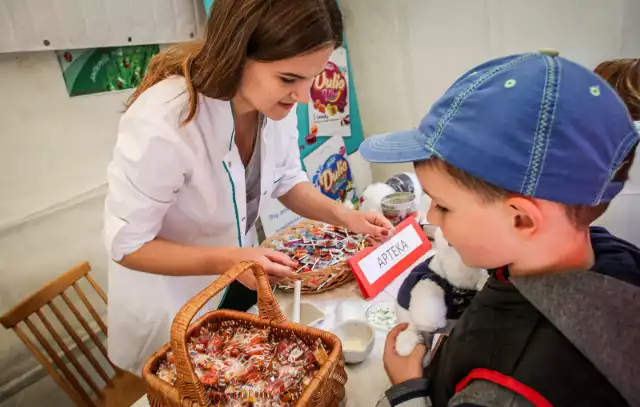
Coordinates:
236	171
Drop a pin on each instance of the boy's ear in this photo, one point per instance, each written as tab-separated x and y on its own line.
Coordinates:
526	215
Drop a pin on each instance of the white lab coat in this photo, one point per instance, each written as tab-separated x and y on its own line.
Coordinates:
185	184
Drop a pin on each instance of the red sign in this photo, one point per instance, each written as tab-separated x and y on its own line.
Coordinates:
376	267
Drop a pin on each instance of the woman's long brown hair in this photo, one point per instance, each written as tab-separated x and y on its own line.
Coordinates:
624	76
237	30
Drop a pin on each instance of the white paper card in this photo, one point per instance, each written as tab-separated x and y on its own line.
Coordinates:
382	259
276	217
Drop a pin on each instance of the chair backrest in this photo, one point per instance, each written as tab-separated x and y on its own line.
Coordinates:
81	386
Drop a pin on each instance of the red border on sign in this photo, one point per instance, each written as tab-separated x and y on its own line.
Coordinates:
371	290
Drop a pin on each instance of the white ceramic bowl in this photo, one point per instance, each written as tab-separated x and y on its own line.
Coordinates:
357	339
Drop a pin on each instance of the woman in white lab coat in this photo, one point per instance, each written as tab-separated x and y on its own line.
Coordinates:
207	136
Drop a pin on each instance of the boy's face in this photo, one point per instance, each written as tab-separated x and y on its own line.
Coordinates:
481	232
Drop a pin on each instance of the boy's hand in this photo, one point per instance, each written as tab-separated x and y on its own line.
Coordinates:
402	368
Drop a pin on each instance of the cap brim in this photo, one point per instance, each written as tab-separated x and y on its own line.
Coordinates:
400	147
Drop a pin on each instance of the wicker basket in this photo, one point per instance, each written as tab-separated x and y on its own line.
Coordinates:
315	282
325	389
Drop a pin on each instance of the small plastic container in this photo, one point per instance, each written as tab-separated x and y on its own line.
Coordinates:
399	206
382	315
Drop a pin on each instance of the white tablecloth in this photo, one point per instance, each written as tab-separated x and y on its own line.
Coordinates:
367	380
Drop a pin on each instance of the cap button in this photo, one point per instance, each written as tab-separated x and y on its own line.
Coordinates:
550	52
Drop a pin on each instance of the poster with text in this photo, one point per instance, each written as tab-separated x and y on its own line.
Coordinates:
97	70
329	105
330	171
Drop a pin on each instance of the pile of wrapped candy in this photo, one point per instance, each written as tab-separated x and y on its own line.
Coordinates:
250	366
319	246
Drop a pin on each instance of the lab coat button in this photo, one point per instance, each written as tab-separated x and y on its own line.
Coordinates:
264	193
229	164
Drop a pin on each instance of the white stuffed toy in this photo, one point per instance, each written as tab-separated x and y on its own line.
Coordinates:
435	291
372	196
404	182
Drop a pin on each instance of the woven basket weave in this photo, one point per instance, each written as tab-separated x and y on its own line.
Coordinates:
326	388
314	282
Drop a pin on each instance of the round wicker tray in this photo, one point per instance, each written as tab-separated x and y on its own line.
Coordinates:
317	281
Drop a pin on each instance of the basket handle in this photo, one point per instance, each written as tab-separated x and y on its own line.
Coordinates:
187	382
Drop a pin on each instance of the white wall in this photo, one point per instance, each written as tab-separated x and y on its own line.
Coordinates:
406	53
53	148
53	156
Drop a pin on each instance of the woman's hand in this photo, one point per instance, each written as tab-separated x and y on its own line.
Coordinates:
373	224
277	265
308	202
402	368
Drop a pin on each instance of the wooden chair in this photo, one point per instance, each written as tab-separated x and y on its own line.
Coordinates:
117	388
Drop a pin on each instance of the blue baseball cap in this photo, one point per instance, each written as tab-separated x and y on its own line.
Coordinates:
536	124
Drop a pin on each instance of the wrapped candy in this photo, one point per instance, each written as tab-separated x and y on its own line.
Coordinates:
211	377
257	337
249	366
167	374
319	246
290	375
215	344
276	386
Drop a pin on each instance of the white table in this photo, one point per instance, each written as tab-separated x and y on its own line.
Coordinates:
367	380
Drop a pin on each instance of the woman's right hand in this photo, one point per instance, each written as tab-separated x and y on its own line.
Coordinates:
277	265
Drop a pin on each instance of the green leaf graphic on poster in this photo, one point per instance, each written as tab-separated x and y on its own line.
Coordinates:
98	70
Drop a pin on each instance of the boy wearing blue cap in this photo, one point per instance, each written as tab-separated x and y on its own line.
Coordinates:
520	156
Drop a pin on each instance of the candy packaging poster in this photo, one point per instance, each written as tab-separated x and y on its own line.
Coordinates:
97	70
330	171
309	137
329	105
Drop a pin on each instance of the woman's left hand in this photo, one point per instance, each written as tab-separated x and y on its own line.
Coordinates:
373	224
